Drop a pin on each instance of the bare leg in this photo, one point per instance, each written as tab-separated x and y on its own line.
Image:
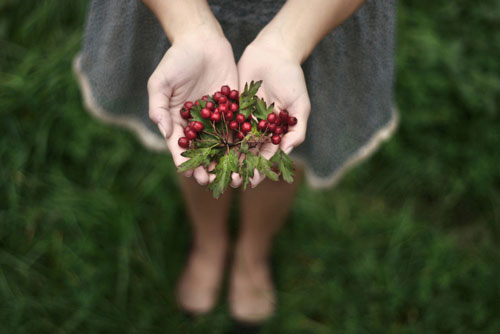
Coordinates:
198	286
264	209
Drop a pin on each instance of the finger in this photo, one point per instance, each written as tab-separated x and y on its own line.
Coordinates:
296	134
201	175
175	149
236	178
211	178
159	98
256	179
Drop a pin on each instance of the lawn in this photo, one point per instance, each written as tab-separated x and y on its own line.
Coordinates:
93	234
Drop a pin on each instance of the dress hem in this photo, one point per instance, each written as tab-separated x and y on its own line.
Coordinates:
155	142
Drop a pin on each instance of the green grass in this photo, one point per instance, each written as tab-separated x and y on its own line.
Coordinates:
93	234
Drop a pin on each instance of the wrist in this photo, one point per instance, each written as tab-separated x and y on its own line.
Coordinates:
180	18
274	38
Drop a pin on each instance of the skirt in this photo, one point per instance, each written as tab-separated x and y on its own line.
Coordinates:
349	76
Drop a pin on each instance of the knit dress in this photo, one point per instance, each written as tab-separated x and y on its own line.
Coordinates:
349	76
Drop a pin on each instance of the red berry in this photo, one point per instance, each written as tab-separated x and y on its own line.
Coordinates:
276	139
262	125
185	113
229	115
234	95
197	102
285	128
272	127
241	135
197	126
188	104
222	99
183	142
278	121
246	127
191	134
223	107
187	129
234	107
233	125
284	116
292	120
215	117
225	90
271	118
240	118
278	130
205	113
210	105
205	97
217	96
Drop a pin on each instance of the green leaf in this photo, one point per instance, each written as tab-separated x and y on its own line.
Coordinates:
254	87
228	163
264	167
285	165
246	112
197	157
247	168
270	109
261	109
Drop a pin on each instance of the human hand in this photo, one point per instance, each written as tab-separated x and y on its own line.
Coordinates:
198	63
267	59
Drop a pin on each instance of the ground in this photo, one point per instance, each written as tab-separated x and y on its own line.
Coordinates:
93	234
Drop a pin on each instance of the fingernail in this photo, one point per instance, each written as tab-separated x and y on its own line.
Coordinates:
162	130
288	149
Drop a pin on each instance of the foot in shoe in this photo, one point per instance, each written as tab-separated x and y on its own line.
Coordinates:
251	294
198	285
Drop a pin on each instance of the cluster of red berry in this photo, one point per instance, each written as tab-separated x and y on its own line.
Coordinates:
224	107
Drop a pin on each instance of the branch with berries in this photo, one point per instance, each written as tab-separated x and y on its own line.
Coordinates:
228	128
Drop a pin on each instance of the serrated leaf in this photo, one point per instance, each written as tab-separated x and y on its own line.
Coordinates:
247	168
260	109
197	157
285	165
264	167
246	112
270	109
254	87
228	163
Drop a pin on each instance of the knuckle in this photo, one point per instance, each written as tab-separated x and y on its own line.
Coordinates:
152	83
300	138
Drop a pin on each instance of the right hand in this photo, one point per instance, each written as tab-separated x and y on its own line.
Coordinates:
198	63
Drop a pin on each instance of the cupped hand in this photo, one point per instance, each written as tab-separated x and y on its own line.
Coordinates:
283	83
197	64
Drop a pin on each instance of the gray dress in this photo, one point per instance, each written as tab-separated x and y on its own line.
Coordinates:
349	76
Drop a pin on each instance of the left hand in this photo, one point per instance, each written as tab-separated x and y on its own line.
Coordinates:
267	59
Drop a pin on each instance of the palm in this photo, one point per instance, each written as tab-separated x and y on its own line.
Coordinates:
190	69
284	84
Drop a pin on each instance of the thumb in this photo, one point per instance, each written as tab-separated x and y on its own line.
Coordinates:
159	99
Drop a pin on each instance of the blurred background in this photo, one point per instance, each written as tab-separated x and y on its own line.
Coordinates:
93	234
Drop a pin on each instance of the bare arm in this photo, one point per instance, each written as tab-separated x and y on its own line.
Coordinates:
301	24
199	61
179	17
276	54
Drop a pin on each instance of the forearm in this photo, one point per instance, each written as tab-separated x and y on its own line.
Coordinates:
301	24
179	17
